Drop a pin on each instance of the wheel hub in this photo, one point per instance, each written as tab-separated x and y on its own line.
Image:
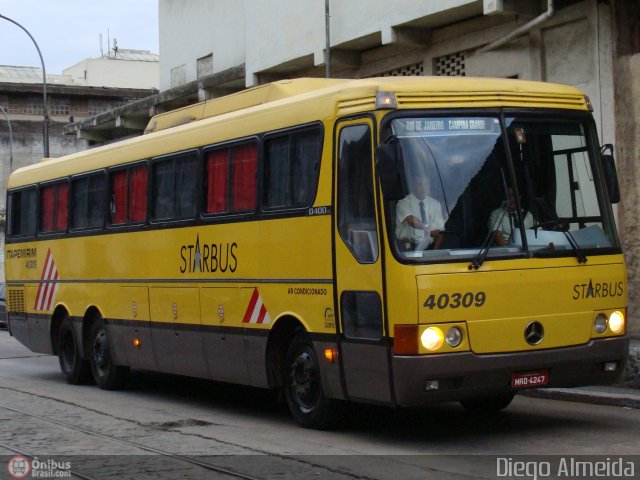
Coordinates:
101	351
304	381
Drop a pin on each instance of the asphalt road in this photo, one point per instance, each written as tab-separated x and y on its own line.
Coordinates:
162	426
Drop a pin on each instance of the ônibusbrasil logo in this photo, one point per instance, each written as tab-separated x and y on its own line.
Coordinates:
20	466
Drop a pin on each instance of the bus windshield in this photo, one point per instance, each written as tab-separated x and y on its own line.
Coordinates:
472	191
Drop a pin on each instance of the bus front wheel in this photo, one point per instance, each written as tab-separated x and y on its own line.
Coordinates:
75	369
107	375
490	404
303	389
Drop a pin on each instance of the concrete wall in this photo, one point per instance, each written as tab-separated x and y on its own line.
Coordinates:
192	29
627	73
27	150
263	34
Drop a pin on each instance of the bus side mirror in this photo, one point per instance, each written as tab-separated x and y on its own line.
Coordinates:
391	171
610	173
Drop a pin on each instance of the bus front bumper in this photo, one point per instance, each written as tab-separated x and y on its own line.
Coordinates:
421	380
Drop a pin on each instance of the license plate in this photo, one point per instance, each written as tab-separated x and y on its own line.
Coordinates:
533	379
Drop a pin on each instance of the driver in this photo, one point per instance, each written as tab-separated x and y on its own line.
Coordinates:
419	217
504	219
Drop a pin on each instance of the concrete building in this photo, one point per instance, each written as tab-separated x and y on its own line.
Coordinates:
124	68
213	47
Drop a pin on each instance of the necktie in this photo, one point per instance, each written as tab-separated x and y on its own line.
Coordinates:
423	214
515	221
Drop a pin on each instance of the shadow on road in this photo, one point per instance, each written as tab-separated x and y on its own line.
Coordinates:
441	423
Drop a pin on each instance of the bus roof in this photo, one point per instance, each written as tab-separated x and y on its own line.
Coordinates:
315	99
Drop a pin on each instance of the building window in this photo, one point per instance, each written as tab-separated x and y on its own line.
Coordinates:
178	76
34	106
205	65
60	106
451	65
96	107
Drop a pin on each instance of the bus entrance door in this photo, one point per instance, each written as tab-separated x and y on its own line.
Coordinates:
363	350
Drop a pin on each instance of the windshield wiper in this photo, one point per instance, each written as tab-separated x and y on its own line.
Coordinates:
480	257
582	258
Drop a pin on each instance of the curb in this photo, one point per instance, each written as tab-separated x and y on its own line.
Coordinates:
610	396
625	394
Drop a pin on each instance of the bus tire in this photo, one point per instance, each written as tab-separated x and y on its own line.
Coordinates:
108	376
489	404
75	369
303	388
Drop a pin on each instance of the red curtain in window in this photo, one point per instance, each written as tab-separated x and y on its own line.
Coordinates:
119	197
46	209
138	194
245	167
217	174
62	207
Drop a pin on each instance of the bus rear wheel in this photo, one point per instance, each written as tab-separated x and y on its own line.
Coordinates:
489	404
75	369
303	388
107	375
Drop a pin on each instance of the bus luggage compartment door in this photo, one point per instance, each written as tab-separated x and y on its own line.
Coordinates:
177	333
135	332
222	310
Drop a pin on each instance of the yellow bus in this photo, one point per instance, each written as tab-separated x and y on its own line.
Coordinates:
396	241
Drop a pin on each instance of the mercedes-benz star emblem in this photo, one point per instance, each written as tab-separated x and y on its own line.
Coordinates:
533	333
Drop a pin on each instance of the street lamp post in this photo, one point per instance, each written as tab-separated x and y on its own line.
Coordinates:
10	139
45	128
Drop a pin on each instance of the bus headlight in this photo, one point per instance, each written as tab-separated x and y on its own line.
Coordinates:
616	322
600	323
453	337
432	338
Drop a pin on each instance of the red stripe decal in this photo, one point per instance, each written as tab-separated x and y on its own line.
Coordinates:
252	305
263	313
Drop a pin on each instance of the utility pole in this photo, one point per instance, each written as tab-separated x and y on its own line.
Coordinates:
327	51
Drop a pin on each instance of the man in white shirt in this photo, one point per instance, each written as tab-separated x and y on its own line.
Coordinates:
503	220
419	217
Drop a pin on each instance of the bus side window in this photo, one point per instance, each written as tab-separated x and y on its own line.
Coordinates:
54	200
230	179
128	195
175	187
356	213
118	197
22	207
88	201
291	168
